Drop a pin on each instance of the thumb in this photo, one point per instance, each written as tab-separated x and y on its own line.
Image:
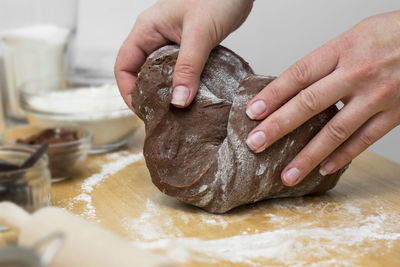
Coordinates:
193	54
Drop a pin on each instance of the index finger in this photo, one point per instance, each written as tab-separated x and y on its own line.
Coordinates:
313	67
127	66
143	40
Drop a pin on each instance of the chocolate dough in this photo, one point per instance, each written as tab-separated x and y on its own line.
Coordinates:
198	154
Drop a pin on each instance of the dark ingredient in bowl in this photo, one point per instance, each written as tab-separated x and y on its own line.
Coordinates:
63	152
51	136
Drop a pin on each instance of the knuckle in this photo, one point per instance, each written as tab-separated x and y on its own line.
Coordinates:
366	140
344	156
301	72
372	105
275	93
345	42
388	90
336	132
367	71
370	70
275	127
308	160
185	70
215	32
309	101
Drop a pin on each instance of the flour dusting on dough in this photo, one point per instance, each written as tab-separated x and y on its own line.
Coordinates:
261	169
204	94
163	94
206	141
203	188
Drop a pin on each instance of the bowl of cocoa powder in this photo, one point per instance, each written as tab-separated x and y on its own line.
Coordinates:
68	146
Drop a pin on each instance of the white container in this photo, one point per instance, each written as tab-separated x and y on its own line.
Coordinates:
32	53
100	109
36	37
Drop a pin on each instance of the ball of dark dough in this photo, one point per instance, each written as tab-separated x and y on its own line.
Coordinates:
198	154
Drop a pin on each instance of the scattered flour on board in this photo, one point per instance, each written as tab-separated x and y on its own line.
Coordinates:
145	223
284	243
116	162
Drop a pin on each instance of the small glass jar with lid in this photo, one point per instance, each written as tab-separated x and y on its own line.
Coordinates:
29	188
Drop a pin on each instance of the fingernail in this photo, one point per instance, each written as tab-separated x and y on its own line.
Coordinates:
180	95
327	168
256	140
257	108
291	176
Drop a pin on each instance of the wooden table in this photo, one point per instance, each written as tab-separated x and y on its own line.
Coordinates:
356	224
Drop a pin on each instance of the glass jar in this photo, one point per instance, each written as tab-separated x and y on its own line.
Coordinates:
29	188
36	39
65	154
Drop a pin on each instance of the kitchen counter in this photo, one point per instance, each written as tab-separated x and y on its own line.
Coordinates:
357	223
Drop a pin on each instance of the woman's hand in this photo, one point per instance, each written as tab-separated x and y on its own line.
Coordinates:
198	26
361	68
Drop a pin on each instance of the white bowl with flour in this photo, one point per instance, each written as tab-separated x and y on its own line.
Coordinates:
100	109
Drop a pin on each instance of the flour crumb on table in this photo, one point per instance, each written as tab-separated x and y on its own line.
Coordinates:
116	162
281	239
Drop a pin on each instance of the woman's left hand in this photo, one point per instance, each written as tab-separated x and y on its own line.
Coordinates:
361	68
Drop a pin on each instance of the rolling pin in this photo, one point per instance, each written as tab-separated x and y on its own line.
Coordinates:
83	244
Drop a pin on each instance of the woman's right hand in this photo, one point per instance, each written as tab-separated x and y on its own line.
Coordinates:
197	26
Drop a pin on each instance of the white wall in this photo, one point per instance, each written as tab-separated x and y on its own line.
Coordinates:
276	34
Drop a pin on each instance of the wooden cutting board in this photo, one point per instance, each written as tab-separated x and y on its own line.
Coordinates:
356	224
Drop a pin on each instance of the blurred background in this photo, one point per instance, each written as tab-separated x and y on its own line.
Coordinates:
276	34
